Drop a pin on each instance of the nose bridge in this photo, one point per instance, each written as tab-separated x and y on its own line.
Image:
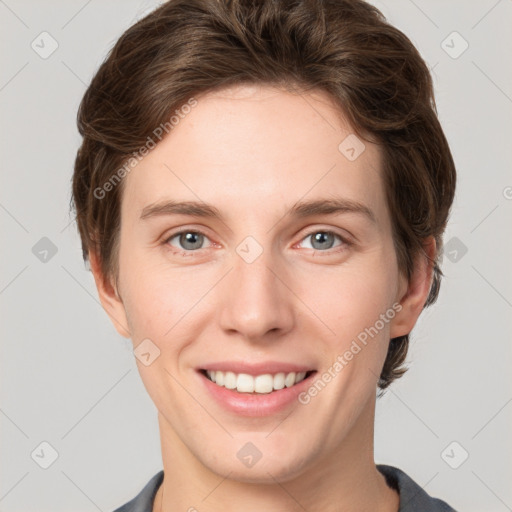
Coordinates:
255	302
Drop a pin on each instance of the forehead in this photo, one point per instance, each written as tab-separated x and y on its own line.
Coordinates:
248	146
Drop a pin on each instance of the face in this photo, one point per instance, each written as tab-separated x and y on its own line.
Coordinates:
281	264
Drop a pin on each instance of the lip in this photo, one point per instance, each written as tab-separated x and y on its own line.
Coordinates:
255	405
255	369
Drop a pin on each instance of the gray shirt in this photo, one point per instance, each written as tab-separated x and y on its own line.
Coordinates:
412	497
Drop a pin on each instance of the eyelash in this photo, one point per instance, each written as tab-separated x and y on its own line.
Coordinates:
345	243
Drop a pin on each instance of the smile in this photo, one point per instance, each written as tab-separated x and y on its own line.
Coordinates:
262	384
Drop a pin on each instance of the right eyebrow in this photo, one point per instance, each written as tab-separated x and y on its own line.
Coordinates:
193	208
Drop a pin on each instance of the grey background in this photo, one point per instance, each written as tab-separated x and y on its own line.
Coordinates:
68	378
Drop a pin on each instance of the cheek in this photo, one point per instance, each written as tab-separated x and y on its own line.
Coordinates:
348	296
147	295
161	299
152	306
347	303
345	299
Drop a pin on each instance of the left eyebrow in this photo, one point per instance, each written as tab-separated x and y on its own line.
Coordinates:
331	207
299	209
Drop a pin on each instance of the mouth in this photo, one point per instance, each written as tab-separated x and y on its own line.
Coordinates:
265	383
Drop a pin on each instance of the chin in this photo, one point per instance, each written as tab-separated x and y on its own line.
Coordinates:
265	470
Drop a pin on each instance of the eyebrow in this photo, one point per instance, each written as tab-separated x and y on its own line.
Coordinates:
300	209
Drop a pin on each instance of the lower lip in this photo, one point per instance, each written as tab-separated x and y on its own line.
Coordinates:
257	404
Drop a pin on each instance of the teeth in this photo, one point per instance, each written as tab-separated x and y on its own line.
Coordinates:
263	383
245	383
300	376
230	380
279	381
289	381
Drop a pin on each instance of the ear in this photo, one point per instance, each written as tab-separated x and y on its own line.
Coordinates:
413	294
109	297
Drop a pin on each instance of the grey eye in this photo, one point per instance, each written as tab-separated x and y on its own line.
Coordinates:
188	240
322	239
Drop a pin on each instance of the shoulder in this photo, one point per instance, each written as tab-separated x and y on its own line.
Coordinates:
143	502
412	496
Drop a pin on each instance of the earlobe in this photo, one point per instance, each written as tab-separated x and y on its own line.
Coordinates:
109	297
416	291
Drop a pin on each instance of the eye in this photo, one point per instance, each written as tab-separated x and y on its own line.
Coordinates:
188	240
322	240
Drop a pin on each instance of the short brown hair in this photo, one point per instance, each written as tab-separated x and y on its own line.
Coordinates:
342	47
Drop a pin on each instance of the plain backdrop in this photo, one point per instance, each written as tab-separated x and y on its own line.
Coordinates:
69	381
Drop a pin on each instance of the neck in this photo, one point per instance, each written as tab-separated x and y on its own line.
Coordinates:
344	480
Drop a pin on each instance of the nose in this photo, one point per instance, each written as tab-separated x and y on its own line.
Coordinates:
255	299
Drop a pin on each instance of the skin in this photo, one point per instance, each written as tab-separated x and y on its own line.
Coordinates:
253	152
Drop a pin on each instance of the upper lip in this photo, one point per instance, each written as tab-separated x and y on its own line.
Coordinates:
261	368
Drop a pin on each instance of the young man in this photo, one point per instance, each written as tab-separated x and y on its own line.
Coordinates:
262	191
